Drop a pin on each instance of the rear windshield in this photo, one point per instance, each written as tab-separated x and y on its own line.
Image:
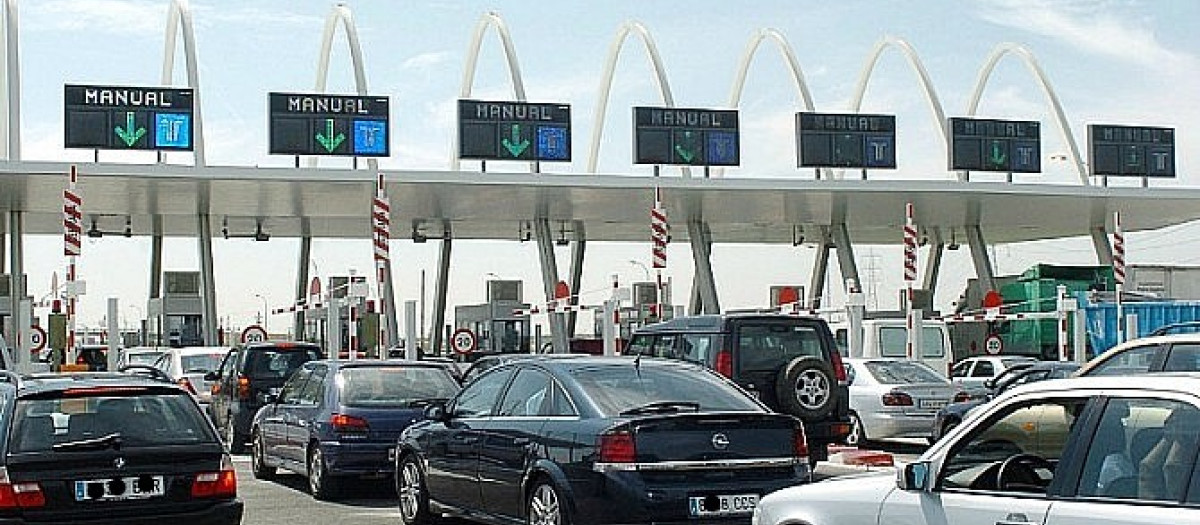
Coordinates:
903	372
139	418
617	388
143	358
395	385
200	362
277	363
768	346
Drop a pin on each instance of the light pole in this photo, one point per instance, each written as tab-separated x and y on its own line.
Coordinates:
639	264
264	312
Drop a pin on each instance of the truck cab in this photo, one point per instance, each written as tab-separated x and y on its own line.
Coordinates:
888	337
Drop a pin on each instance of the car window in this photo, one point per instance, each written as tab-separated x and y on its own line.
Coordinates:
664	346
893	341
1039	429
769	346
903	372
1183	357
199	362
619	387
640	344
1134	360
983	369
141	416
395	386
290	393
699	348
560	403
478	399
314	389
268	363
961	369
526	394
1142	449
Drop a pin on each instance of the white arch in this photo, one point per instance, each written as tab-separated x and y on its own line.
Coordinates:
179	19
789	57
935	104
10	103
490	19
341	14
610	66
1034	68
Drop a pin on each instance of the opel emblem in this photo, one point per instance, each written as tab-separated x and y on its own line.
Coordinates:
120	462
720	441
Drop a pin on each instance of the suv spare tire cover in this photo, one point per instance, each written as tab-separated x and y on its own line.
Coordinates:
806	388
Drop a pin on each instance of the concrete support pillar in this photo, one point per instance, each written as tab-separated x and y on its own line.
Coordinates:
3	245
16	232
979	255
1104	252
845	252
156	253
114	333
390	325
208	285
410	331
545	243
577	251
302	279
816	284
703	283
933	262
439	297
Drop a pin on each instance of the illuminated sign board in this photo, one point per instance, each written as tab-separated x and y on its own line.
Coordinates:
323	124
127	118
686	136
845	140
1133	151
1011	146
514	131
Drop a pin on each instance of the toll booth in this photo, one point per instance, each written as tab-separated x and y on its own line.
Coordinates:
6	313
495	327
347	298
175	318
643	307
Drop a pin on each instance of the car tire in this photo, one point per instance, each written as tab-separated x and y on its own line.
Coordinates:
806	388
413	497
858	433
545	506
258	460
321	484
229	434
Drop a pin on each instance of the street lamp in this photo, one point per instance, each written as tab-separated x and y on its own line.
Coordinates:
639	264
264	312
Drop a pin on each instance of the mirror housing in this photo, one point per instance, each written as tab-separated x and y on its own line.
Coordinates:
211	376
990	383
270	397
914	476
436	412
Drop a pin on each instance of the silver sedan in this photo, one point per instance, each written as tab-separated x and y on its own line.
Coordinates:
894	398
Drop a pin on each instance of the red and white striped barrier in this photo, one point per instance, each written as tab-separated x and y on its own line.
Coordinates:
299	307
1118	250
553	309
658	232
910	245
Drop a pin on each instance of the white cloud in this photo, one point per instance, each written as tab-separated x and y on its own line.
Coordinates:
109	16
256	17
426	60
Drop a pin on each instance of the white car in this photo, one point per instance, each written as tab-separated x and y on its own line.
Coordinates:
971	373
1094	451
187	366
894	398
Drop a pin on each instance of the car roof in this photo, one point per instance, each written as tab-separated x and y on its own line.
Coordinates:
1177	382
51	382
1140	342
277	345
198	350
715	322
374	363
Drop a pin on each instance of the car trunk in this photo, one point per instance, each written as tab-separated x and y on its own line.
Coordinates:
927	398
384	424
709	437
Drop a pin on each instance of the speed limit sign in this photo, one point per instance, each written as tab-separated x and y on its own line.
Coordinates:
993	344
254	334
37	338
463	341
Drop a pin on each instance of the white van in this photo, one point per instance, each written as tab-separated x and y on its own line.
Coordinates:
888	337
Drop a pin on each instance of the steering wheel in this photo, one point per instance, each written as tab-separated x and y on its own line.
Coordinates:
147	370
1028	481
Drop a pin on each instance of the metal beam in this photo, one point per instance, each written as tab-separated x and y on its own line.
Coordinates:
3	248
391	326
933	261
578	249
302	280
845	253
979	255
702	258
545	243
16	232
208	285
439	296
1104	253
816	284
156	252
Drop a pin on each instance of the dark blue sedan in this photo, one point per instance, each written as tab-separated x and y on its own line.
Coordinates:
338	419
597	440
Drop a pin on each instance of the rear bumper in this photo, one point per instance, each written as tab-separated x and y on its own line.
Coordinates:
886	425
357	459
226	513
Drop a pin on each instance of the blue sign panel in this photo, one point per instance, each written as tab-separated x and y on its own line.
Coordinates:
722	148
370	138
552	143
173	131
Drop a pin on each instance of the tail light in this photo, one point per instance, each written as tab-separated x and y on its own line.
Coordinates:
617	447
799	443
962	397
243	388
897	399
839	369
342	423
725	363
186	384
222	484
19	495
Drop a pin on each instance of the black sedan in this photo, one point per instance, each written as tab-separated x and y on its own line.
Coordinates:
592	440
951	415
336	419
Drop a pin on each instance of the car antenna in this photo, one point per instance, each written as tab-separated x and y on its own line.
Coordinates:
637	365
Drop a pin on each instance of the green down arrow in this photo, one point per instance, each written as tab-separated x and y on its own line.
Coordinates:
328	140
687	154
516	146
997	157
128	134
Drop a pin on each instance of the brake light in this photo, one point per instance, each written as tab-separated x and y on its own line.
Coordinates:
617	447
221	484
799	443
897	399
243	388
725	363
187	385
962	397
839	369
19	495
344	423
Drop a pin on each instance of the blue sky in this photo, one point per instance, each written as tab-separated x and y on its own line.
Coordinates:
1110	61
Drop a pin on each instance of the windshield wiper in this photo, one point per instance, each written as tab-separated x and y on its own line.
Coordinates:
662	407
112	440
425	401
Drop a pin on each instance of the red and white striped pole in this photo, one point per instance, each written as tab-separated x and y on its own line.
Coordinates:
1119	273
658	249
910	275
72	243
381	222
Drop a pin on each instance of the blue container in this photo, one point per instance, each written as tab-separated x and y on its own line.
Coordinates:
1102	319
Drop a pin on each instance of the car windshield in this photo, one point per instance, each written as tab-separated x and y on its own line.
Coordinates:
395	385
278	363
1010	361
624	387
143	358
200	362
130	417
902	372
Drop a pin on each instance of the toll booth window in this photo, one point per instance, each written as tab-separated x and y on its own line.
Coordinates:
640	345
509	336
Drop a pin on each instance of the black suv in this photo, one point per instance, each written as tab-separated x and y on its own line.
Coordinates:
790	363
110	448
245	375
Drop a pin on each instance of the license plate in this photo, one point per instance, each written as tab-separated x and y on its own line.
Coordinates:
133	487
932	403
725	505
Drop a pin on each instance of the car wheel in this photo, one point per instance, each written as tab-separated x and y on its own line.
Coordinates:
545	507
806	388
320	484
237	444
258	459
412	495
858	435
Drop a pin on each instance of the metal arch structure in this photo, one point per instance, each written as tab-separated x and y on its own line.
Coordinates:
494	21
10	103
1031	63
914	61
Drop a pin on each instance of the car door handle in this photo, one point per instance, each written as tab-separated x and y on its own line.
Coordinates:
466	439
1016	518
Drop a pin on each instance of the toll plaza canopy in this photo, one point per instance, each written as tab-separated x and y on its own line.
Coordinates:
333	203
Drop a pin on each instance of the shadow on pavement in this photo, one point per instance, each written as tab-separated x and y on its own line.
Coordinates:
370	493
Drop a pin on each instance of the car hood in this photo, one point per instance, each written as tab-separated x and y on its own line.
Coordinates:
846	499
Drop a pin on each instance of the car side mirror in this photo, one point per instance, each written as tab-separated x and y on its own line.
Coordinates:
271	396
211	376
914	476
436	412
990	383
